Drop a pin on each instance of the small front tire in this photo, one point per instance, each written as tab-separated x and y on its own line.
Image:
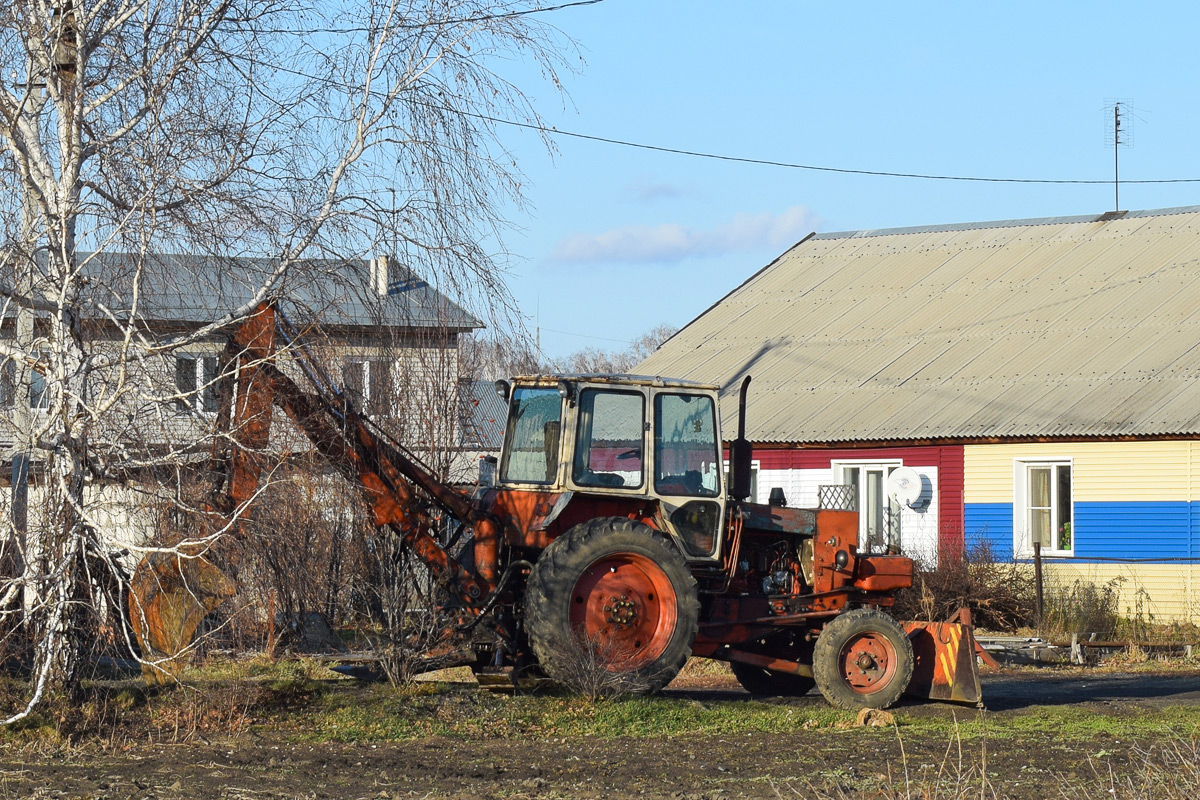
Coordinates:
863	659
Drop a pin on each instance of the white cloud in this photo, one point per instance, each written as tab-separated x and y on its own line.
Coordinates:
672	242
645	189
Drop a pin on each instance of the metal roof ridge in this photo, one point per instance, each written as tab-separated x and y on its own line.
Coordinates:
1107	216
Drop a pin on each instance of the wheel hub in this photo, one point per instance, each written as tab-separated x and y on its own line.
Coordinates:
624	605
621	611
868	662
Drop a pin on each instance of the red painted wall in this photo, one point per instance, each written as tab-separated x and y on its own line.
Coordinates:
947	459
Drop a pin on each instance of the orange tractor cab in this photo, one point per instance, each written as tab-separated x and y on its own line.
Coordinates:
607	526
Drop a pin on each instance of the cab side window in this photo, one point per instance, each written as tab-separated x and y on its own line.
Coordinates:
687	456
609	440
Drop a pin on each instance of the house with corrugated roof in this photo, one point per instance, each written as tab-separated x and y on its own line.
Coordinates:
382	331
1003	383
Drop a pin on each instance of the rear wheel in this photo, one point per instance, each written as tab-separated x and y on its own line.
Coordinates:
759	680
863	659
612	596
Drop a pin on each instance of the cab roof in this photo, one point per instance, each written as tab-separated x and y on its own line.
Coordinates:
655	381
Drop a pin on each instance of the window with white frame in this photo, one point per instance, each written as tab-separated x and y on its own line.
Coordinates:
878	514
8	384
368	382
39	392
39	396
1042	507
195	381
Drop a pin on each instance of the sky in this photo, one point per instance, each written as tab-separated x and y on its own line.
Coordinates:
618	240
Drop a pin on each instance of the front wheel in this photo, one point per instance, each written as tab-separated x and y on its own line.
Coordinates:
612	598
863	659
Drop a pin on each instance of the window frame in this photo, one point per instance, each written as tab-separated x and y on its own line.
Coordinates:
1022	510
8	383
511	428
39	400
888	466
583	424
11	386
658	448
202	397
369	385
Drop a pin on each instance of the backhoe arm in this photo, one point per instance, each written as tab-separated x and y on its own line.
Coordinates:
354	450
385	475
171	593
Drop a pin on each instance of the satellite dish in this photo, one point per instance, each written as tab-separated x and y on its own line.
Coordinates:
904	485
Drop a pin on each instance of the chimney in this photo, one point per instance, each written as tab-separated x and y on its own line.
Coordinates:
380	275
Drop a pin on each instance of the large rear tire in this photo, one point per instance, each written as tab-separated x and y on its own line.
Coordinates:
769	682
612	594
863	659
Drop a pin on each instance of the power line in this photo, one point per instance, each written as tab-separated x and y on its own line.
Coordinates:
791	165
433	23
585	336
739	159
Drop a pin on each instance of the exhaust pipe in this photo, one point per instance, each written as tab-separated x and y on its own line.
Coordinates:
740	452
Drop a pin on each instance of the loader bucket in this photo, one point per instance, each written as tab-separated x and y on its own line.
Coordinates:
944	666
168	599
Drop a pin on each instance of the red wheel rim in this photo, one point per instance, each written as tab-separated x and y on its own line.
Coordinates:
624	606
868	662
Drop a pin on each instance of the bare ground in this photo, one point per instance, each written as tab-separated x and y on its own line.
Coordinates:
805	763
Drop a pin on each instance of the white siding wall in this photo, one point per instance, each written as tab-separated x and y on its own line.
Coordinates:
918	525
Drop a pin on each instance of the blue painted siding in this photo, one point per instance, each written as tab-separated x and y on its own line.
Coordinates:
990	523
1150	529
1194	526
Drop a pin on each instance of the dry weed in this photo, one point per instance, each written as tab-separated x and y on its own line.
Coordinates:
583	668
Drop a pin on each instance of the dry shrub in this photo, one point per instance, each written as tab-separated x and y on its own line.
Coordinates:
958	776
1000	594
304	551
1081	607
407	625
1165	771
187	713
116	715
310	563
301	549
582	667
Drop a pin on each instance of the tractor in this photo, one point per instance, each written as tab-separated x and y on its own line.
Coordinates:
609	525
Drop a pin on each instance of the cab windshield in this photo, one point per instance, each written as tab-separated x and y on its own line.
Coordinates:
531	446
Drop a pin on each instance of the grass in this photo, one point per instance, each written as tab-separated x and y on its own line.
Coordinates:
1065	723
303	700
425	710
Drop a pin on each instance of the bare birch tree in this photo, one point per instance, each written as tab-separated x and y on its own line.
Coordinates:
216	128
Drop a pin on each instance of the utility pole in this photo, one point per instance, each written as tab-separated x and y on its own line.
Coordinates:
1116	157
1119	129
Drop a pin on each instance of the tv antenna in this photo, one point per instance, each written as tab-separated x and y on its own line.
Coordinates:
1118	130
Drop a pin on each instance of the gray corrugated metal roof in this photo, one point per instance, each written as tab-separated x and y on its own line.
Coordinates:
484	414
197	288
1063	327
